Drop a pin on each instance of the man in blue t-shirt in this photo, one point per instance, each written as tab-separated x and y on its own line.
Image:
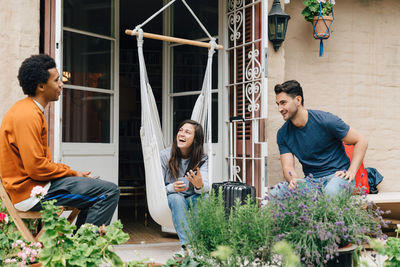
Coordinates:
316	139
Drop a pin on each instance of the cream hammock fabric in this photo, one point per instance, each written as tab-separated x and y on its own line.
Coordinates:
150	131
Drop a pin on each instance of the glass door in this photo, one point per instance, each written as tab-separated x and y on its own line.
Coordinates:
89	105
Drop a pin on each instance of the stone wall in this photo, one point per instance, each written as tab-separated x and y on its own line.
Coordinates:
19	38
358	78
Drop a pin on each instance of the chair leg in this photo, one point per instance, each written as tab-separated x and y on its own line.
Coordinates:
21	226
71	218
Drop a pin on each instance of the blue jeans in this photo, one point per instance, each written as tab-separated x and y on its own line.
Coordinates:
331	185
179	204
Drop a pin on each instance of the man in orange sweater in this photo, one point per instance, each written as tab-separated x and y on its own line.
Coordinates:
25	159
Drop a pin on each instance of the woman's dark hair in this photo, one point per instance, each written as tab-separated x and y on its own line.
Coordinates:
291	88
34	71
196	151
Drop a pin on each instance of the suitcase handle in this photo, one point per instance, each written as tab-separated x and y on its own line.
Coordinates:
236	118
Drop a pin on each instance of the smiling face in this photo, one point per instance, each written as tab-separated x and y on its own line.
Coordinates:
287	105
51	90
185	138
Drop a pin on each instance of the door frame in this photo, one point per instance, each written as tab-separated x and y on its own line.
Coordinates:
61	149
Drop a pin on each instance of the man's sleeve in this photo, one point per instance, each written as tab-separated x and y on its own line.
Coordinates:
337	126
283	148
28	134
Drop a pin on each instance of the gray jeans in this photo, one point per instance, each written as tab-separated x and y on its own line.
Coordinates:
97	199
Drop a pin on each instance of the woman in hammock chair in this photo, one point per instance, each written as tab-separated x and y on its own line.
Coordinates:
185	170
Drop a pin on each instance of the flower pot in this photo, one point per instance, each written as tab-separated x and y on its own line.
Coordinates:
321	27
345	258
36	264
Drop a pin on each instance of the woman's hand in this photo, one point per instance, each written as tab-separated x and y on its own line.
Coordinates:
179	186
195	178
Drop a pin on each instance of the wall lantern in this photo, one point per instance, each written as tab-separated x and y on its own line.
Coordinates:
277	24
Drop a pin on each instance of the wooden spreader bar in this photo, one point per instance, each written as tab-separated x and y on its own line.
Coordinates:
174	39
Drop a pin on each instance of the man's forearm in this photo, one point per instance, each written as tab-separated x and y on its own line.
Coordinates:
358	155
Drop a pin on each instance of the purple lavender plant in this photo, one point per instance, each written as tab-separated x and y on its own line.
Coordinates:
317	225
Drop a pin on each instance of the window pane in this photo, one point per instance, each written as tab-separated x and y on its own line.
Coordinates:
189	67
88	15
183	107
87	60
86	117
185	26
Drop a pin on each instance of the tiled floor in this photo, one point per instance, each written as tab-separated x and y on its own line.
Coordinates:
156	252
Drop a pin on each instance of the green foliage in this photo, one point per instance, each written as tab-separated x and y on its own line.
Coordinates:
187	261
238	240
87	247
312	8
316	224
391	249
289	256
208	226
8	235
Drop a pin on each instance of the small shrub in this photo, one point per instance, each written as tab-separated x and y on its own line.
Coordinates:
246	232
316	224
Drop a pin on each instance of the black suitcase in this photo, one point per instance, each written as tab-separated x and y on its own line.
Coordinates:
234	190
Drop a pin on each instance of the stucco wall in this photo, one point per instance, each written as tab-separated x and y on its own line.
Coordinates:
19	38
358	78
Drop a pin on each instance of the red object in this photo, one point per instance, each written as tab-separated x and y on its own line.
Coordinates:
362	175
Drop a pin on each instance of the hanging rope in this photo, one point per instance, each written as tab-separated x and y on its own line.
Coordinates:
318	35
150	131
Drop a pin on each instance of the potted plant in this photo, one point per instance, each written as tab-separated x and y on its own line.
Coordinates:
319	13
390	249
317	225
59	245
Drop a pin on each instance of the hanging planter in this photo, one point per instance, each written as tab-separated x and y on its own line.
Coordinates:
320	14
322	26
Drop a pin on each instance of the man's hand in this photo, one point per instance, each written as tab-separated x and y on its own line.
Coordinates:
195	178
293	184
84	174
347	175
179	186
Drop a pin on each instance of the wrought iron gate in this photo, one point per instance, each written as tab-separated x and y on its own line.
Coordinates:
246	83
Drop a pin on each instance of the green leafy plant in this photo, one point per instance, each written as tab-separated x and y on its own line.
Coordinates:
8	235
391	249
240	239
89	246
60	244
289	256
312	8
316	225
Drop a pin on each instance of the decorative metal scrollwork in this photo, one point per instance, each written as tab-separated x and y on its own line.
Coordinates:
253	95
253	68
235	3
235	21
236	171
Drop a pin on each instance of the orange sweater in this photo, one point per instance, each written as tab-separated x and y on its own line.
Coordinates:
25	159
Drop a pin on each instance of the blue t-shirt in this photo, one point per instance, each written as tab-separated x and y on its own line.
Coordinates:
318	145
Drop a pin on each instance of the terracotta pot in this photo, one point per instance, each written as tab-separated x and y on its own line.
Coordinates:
154	264
321	27
36	264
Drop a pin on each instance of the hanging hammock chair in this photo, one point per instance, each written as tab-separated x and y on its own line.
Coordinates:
150	131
